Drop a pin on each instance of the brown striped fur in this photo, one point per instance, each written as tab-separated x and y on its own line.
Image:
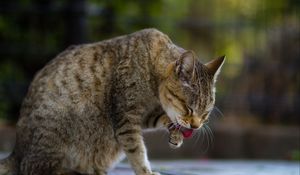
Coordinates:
90	104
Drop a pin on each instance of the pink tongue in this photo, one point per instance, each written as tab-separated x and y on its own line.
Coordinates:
187	133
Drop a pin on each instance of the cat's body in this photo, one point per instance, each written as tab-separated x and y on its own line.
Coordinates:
90	104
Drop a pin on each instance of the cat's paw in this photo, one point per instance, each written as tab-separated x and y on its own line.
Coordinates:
175	139
155	173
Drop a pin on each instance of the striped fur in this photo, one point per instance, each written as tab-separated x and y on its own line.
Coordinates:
89	105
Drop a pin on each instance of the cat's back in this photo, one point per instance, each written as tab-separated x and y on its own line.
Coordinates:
83	74
78	75
85	69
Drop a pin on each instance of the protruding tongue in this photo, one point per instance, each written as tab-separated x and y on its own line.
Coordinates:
187	133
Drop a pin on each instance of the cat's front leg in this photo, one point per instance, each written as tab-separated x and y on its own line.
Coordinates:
129	135
175	136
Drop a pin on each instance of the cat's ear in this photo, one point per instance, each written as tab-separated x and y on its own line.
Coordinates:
215	65
185	65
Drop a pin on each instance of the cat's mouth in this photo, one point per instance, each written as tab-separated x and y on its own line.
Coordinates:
186	132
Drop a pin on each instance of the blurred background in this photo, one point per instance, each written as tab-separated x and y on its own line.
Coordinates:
258	92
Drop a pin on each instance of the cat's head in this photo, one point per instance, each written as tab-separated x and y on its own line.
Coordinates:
187	93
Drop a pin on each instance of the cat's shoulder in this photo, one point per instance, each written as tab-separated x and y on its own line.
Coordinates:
151	33
153	36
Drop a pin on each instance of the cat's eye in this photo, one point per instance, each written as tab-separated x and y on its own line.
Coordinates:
205	115
205	121
190	111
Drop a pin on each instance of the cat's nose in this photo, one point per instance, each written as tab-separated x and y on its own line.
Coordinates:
195	123
195	126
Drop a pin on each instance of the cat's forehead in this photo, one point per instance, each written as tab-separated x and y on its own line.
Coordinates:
203	108
202	98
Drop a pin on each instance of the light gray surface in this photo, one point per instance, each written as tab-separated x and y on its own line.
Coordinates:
218	167
2	155
215	167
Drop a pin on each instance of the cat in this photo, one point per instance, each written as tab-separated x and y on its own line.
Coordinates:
87	107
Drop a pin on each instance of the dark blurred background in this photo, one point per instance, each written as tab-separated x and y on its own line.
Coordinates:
258	91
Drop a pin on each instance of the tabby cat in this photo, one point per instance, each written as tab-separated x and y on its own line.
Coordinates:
89	105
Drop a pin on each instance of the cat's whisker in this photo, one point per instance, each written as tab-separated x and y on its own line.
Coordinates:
205	138
210	135
202	135
218	111
198	133
209	139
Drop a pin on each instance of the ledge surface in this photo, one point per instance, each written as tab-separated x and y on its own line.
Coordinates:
214	167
